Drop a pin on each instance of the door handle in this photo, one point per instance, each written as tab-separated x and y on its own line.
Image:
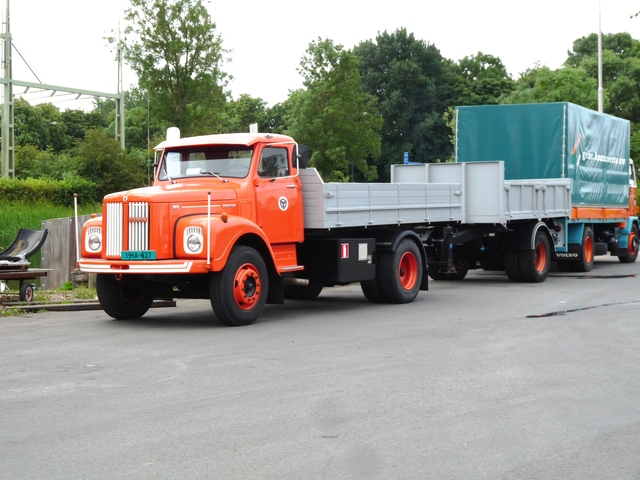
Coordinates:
291	186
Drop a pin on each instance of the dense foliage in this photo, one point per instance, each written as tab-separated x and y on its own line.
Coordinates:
359	110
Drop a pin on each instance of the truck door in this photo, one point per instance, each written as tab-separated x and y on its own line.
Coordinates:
279	197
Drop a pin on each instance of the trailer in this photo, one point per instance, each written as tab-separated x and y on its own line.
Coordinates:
563	140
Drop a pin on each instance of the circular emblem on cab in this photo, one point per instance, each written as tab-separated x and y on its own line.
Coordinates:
283	203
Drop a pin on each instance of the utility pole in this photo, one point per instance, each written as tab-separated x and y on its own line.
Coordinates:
8	119
600	89
8	139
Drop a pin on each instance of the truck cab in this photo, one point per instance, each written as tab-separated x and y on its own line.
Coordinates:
215	199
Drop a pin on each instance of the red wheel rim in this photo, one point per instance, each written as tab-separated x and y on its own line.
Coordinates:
246	286
408	270
633	248
588	249
541	257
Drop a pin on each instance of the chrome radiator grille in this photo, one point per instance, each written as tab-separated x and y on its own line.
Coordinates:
137	227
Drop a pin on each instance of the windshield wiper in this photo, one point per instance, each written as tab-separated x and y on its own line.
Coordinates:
164	169
215	174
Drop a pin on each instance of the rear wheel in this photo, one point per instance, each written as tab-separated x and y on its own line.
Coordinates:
238	293
401	273
512	266
631	253
585	262
534	264
120	299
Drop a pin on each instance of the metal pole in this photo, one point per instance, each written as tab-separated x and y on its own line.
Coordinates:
600	90
7	109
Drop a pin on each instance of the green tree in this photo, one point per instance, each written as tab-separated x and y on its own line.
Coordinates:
480	79
173	47
620	70
333	116
277	119
409	79
77	123
40	125
244	111
100	158
567	84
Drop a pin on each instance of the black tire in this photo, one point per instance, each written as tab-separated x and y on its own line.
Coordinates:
303	292
372	291
534	264
461	265
565	266
121	300
435	273
585	262
630	254
512	266
401	273
27	292
238	292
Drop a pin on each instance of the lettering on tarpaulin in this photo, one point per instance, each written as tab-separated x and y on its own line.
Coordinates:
595	157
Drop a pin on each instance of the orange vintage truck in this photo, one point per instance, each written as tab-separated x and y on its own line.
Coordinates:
240	220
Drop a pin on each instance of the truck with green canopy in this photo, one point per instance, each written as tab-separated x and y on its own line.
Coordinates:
550	141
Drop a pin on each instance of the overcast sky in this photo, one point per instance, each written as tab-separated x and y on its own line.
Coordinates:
62	40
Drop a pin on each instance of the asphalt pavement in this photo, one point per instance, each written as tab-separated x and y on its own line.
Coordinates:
482	378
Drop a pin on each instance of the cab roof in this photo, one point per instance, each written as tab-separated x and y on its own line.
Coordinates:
245	139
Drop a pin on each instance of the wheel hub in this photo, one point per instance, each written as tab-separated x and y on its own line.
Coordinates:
246	287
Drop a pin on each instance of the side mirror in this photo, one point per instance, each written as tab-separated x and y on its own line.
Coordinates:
303	156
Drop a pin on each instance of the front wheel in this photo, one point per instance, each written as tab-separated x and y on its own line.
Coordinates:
631	253
238	292
120	299
401	273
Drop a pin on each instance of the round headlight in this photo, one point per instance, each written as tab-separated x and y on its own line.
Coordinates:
94	242
194	243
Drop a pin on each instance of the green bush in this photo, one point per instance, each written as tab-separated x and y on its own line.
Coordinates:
45	190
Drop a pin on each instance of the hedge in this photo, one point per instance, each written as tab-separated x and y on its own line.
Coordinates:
57	192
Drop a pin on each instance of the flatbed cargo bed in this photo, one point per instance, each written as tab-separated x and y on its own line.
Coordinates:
470	193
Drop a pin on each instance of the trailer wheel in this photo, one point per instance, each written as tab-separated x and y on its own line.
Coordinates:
585	262
512	266
121	300
534	264
401	273
461	264
631	253
26	292
238	293
303	292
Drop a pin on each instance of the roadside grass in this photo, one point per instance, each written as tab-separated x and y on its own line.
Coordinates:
14	216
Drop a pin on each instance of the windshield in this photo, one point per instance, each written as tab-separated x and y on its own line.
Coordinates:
221	160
